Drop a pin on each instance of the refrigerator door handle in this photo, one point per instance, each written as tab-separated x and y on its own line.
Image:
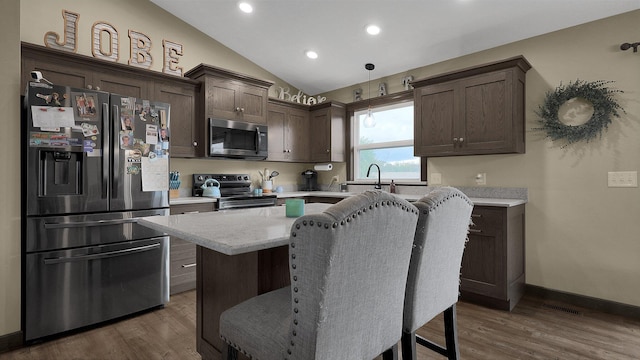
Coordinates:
89	223
104	255
116	152
106	153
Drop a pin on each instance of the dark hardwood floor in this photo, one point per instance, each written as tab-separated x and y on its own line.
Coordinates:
535	329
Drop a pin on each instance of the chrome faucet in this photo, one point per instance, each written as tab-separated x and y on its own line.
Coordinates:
378	186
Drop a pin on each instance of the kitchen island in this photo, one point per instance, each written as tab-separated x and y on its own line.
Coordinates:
240	254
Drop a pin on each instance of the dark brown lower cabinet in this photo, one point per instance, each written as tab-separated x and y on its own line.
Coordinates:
182	254
224	281
493	264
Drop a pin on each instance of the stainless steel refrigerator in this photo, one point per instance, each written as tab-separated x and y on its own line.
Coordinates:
93	163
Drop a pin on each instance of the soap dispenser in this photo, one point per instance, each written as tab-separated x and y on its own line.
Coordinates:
392	187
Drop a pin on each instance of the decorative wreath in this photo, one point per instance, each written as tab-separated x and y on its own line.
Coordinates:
597	93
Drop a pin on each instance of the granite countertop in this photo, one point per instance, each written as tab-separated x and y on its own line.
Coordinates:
232	232
480	201
409	197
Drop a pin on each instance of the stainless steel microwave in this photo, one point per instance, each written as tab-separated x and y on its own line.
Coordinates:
237	140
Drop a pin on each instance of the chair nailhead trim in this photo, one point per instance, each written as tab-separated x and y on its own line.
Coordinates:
310	223
295	310
297	226
295	278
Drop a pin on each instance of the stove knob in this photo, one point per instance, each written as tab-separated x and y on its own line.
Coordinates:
200	178
246	177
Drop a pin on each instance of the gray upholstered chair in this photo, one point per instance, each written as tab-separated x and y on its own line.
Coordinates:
348	269
434	272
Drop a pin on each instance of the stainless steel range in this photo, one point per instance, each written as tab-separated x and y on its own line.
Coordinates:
235	191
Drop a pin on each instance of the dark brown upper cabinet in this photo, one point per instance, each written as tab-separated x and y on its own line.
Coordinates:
288	131
478	110
327	132
84	72
231	96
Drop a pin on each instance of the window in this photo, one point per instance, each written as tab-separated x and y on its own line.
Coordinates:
388	143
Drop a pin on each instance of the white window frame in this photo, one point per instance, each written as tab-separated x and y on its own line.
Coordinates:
381	145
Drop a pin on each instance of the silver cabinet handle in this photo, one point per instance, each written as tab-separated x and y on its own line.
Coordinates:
455	140
191	212
461	139
476	215
476	231
188	265
195	143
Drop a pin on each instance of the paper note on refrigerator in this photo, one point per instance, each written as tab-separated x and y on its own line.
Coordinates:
155	174
52	117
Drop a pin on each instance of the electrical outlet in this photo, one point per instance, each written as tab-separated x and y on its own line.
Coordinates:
481	179
622	179
335	179
436	179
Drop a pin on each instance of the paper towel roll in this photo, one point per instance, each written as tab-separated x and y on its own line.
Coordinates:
323	167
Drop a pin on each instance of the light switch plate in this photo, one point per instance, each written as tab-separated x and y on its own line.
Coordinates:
622	179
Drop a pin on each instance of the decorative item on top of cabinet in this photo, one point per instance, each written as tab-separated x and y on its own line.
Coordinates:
288	131
478	110
327	132
229	95
183	253
493	264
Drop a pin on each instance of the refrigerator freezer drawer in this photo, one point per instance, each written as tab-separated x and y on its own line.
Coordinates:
47	233
70	289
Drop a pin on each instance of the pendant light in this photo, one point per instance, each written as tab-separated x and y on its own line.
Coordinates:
369	121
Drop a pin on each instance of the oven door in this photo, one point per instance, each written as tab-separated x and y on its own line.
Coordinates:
237	140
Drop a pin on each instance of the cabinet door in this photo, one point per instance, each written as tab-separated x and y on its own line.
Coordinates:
484	260
56	72
125	85
221	99
252	102
296	135
486	113
435	128
276	123
320	135
232	100
186	130
326	134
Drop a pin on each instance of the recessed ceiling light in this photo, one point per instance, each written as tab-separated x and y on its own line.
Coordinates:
373	29
245	7
311	54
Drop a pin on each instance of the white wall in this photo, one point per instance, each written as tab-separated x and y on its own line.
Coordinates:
581	236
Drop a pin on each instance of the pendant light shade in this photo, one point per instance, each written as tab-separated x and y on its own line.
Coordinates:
369	120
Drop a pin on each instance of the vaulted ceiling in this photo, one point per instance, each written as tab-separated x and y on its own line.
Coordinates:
414	33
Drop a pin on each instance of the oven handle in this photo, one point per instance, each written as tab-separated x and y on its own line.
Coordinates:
105	255
258	140
89	223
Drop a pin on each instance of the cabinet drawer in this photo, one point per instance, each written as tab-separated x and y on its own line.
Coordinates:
485	221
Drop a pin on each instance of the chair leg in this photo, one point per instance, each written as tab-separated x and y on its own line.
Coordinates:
391	353
231	352
451	333
408	343
451	350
